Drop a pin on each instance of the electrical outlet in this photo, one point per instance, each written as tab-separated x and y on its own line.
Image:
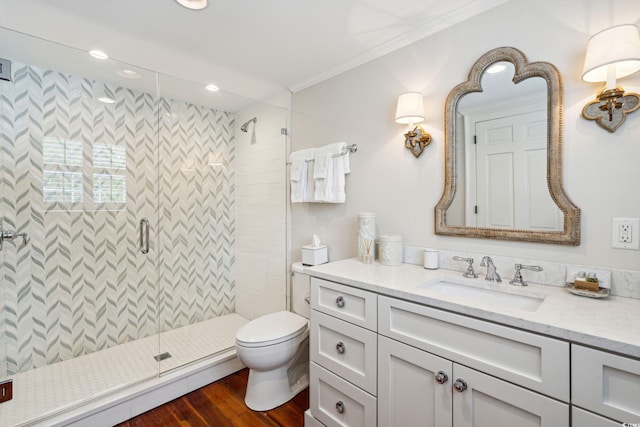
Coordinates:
625	233
6	390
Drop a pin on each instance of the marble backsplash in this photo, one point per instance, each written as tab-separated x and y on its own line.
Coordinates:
624	283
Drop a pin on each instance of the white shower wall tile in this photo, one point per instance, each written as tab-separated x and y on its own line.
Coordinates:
261	214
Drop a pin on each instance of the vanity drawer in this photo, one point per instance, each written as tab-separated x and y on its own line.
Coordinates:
530	360
345	349
581	418
344	302
606	383
335	402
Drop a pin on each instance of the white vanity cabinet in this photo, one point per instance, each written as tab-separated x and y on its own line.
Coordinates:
343	349
604	383
418	388
429	373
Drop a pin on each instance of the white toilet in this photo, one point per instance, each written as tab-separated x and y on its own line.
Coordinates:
275	348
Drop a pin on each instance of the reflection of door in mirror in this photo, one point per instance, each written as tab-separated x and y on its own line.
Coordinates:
511	185
501	151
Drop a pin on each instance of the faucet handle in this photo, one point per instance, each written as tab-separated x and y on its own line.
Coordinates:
470	272
517	277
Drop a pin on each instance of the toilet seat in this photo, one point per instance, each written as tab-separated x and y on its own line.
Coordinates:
271	329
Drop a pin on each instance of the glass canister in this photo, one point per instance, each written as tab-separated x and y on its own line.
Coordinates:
390	246
367	237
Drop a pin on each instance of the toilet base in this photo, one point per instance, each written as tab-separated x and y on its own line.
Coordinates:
269	389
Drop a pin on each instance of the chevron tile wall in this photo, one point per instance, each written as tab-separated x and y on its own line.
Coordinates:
78	175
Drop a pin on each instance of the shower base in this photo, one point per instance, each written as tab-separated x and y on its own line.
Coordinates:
113	385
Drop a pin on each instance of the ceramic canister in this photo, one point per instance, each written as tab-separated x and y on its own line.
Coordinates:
390	246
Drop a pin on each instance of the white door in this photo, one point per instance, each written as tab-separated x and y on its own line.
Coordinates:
490	402
511	162
408	392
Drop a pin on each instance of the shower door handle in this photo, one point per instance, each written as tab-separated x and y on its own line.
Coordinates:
10	235
144	236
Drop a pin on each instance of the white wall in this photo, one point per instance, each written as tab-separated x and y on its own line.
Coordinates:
601	170
261	224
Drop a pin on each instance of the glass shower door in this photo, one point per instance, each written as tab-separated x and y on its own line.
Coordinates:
79	172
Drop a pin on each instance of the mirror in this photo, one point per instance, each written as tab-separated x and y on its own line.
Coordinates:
503	154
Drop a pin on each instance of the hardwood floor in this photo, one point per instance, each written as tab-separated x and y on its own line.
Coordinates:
222	404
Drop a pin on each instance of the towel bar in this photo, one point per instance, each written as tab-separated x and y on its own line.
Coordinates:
352	148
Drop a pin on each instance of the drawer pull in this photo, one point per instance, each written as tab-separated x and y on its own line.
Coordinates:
460	385
442	377
340	347
340	302
340	407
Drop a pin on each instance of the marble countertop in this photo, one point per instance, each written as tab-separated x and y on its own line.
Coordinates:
611	323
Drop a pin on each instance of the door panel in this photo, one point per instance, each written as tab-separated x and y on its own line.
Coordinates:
490	402
511	156
408	393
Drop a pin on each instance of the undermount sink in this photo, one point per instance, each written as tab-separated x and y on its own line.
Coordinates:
519	301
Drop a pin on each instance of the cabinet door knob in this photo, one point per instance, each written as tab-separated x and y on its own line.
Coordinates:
340	407
460	385
441	377
340	302
340	347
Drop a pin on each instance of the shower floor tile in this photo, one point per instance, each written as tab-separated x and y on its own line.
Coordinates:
45	391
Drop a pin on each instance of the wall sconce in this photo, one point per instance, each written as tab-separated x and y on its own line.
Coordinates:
410	110
612	54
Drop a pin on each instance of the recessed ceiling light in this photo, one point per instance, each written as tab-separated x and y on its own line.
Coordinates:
128	74
106	100
98	54
496	68
212	88
193	4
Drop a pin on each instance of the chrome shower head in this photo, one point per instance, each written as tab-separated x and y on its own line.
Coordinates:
245	127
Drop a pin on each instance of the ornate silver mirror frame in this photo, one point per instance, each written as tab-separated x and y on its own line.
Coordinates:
570	234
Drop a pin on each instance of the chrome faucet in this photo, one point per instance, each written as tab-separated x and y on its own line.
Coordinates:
470	272
517	278
492	274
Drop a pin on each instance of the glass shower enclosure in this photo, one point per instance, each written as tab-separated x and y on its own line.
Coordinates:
122	181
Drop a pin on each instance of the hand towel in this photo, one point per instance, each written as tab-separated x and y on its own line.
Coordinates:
323	156
331	188
309	192
298	173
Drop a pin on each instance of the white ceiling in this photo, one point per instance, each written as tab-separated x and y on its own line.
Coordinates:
253	48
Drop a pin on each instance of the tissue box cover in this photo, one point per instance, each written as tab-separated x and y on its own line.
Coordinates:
314	256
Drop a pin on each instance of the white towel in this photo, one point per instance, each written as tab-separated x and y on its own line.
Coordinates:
309	191
336	192
331	188
323	156
298	173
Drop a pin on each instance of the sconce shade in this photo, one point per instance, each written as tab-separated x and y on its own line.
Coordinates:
619	46
410	108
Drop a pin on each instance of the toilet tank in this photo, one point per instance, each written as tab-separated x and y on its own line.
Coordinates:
300	291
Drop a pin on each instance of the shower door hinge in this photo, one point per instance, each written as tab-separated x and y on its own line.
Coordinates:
5	69
284	131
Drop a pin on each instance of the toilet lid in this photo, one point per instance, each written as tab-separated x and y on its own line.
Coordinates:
271	329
